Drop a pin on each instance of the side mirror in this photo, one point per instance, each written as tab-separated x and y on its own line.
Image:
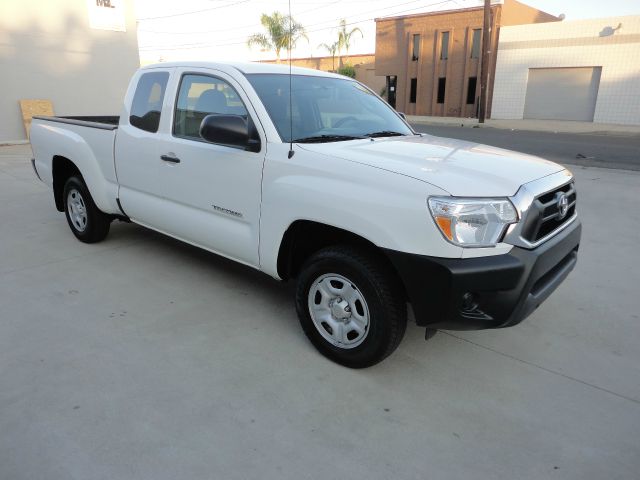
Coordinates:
230	130
404	117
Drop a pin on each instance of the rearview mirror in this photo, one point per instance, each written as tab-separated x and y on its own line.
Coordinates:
230	130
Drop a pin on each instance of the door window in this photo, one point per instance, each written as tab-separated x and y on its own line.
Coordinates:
202	95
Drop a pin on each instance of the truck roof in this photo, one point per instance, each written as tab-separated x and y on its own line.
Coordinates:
245	67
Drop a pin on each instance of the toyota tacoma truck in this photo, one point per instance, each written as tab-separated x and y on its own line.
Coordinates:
310	176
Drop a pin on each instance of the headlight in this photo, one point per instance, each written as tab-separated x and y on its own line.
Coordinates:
472	222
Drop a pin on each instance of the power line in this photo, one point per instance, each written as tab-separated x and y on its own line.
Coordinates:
324	5
387	8
238	41
298	14
314	2
198	45
195	11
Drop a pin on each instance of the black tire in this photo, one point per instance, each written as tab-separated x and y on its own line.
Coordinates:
378	284
94	225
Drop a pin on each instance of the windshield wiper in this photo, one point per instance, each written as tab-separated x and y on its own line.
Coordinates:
384	133
326	138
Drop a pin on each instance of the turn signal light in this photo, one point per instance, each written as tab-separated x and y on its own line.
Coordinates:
445	226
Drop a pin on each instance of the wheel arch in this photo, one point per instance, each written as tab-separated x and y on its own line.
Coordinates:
62	169
305	237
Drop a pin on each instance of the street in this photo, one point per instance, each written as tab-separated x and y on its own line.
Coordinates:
143	357
592	150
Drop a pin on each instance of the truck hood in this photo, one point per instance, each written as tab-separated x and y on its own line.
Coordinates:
459	167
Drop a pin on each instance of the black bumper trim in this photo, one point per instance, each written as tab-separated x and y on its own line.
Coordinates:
504	289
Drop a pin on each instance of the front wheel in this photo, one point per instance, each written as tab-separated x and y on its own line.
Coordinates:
86	221
351	306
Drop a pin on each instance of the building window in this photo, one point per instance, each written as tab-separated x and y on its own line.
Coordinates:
442	85
471	90
476	43
444	46
414	90
416	48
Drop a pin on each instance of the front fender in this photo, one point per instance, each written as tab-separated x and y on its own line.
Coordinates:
385	208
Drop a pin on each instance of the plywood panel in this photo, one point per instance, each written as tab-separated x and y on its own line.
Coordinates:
31	108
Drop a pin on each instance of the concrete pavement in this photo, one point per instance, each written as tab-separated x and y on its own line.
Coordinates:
555	126
608	150
144	358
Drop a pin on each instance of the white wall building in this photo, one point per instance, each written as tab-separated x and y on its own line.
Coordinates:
587	70
79	54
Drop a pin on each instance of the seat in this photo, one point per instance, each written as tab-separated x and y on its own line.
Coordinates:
212	101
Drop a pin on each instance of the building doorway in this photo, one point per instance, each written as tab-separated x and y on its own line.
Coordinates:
392	81
562	93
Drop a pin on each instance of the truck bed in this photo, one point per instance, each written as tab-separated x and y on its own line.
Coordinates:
86	141
105	122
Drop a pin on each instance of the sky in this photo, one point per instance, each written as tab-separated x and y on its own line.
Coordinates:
218	29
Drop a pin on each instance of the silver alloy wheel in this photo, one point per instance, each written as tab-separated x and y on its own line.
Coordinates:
338	310
77	210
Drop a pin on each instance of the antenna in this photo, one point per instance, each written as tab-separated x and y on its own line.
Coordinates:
291	152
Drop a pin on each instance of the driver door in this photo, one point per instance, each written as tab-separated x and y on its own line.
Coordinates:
212	192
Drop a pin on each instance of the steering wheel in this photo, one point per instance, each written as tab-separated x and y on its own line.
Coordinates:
344	120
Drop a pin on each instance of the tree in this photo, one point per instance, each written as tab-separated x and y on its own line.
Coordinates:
332	49
282	32
347	70
344	37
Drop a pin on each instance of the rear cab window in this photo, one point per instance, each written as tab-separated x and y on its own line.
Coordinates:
146	106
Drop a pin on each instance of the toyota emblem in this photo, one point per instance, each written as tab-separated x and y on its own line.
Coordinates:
563	205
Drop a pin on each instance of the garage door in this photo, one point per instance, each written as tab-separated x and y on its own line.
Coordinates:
562	93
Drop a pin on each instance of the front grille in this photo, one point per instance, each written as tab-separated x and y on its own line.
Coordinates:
545	217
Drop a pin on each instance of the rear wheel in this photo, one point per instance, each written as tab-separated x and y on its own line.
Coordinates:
351	306
86	221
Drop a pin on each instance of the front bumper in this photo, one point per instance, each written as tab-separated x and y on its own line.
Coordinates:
486	292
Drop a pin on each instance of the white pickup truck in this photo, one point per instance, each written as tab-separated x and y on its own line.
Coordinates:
326	184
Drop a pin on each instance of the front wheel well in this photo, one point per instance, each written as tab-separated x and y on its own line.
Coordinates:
303	238
62	169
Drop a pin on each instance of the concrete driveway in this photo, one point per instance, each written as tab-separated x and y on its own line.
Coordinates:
144	358
606	150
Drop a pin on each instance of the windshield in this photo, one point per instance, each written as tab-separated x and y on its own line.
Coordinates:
325	109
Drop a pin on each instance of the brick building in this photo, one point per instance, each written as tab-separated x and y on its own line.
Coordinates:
431	61
364	65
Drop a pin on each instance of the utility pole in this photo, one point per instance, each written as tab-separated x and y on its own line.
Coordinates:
484	66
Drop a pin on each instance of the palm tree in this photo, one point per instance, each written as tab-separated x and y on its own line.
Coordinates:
344	37
282	32
332	49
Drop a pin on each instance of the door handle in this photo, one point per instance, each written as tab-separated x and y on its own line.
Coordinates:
170	158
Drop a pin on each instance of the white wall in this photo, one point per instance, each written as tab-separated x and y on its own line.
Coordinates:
572	44
48	51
